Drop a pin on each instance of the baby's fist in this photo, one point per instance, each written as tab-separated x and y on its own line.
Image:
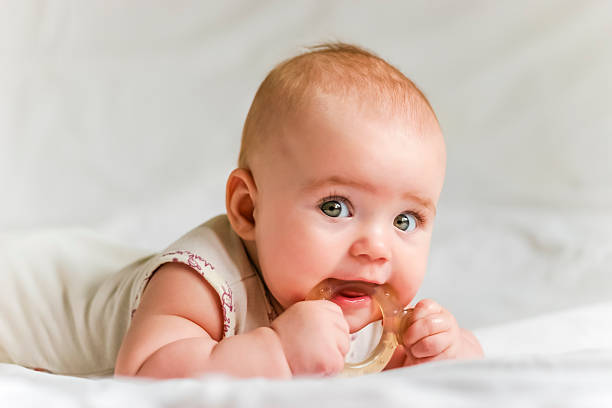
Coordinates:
432	335
315	337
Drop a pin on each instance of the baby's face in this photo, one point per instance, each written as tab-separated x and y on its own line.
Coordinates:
350	195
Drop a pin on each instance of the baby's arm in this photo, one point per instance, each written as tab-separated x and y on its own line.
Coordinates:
176	332
178	328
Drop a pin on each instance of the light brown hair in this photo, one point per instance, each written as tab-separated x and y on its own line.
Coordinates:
332	68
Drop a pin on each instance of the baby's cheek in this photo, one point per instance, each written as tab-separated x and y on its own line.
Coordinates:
288	274
408	280
307	249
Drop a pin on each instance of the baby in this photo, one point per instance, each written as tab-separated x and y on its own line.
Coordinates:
341	166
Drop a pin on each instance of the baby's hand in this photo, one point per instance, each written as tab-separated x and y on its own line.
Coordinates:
315	337
433	334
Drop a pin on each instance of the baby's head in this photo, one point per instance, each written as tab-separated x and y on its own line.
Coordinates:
340	171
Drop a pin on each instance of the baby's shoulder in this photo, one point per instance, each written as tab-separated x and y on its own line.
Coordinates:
178	290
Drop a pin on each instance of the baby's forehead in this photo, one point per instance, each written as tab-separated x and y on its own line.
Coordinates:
348	129
321	111
331	140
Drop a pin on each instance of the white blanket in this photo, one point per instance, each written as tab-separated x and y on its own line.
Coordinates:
574	380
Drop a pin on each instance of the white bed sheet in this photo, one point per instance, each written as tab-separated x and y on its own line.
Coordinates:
573	380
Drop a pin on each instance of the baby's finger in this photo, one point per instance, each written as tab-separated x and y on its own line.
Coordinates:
335	313
344	344
448	354
431	345
342	325
427	326
331	306
425	307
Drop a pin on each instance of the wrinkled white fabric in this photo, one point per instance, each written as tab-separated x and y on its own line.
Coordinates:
568	380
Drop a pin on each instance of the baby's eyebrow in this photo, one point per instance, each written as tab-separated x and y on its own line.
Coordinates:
425	202
316	184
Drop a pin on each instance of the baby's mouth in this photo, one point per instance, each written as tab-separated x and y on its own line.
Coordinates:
355	298
351	293
351	298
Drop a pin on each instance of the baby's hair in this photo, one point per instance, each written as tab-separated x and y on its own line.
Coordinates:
338	69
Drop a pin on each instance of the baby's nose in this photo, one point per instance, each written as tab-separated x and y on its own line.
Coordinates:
371	248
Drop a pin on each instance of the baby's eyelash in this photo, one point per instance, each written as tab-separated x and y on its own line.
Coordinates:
333	197
420	217
333	194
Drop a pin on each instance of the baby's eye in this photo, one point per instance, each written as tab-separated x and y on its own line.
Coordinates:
405	222
335	208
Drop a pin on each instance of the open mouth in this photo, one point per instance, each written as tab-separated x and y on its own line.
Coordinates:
351	294
358	299
351	298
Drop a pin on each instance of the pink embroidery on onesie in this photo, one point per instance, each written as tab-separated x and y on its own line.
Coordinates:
192	259
227	304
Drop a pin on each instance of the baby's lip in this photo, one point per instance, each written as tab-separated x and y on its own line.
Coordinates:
350	301
349	290
354	294
358	278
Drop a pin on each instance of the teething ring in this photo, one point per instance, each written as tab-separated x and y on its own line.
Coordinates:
392	316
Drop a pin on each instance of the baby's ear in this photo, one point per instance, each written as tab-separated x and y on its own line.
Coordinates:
240	195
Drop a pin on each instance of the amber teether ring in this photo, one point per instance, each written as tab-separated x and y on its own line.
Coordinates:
394	321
